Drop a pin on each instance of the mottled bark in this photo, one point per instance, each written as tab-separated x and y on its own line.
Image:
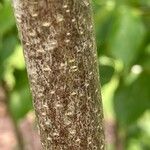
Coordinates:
60	53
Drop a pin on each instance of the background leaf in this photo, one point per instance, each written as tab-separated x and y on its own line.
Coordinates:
7	20
106	73
126	35
131	101
20	99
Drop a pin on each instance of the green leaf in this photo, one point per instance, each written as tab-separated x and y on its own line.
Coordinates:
20	100
130	101
1	72
144	60
106	73
18	63
103	20
145	3
20	103
21	79
8	46
126	35
7	20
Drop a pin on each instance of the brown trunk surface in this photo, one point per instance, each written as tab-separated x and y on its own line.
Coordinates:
60	53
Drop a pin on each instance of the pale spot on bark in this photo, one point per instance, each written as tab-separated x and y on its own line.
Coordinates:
67	10
49	138
32	33
73	20
52	92
46	24
50	45
67	40
71	60
68	34
73	93
65	6
59	18
56	134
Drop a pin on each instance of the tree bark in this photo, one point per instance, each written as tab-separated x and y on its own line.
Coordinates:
61	59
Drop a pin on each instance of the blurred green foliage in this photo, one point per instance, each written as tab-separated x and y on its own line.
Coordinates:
12	66
123	41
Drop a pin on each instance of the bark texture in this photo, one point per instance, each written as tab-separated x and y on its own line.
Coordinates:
61	58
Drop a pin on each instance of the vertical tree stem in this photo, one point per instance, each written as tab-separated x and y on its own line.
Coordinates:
60	53
17	132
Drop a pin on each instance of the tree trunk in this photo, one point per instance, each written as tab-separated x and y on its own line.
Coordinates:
61	59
